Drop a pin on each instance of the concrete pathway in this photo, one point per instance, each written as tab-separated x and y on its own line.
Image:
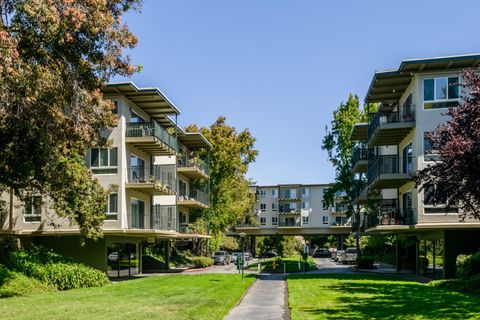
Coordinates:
266	299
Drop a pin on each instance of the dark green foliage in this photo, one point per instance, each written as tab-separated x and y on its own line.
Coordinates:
201	262
468	266
365	262
16	284
55	270
466	285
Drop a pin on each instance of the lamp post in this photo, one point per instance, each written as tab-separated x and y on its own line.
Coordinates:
242	236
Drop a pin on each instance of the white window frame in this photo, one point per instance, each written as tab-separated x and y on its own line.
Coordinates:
263	193
423	149
108	213
34	213
274	206
325	219
263	206
99	167
263	221
274	221
305	220
435	92
274	193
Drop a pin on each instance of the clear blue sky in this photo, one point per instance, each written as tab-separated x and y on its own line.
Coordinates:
279	68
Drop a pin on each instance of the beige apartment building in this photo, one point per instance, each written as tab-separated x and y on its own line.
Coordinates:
294	209
393	146
161	176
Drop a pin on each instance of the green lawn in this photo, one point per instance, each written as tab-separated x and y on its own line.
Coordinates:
334	296
292	263
163	297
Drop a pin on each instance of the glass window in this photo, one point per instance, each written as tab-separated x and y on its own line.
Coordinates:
428	89
94	157
274	207
453	88
263	221
407	159
263	206
274	221
103	160
325	219
305	220
429	153
441	88
113	157
324	205
33	209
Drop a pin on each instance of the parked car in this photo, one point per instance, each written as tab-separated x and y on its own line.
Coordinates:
269	254
221	257
349	256
248	256
235	256
322	253
338	254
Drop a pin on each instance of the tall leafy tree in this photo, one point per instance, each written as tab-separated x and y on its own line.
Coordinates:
55	55
230	157
455	178
340	147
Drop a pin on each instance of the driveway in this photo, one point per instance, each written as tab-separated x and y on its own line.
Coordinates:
326	265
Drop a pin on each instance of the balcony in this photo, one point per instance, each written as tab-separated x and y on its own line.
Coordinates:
151	138
289	224
386	172
287	210
391	218
197	199
193	168
157	180
161	218
360	159
190	228
391	127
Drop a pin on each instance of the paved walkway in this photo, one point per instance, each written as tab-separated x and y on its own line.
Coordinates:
266	299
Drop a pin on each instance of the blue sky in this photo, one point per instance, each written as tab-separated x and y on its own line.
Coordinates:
280	68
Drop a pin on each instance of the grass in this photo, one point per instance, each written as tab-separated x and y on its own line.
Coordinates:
357	296
163	297
274	266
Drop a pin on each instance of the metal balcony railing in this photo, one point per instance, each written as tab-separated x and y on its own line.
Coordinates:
289	224
200	195
151	129
361	154
288	209
165	175
405	113
184	161
388	164
163	217
395	216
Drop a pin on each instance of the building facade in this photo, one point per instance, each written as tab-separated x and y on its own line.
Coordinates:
160	175
393	145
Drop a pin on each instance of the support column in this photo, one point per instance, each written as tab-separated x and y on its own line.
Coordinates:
167	255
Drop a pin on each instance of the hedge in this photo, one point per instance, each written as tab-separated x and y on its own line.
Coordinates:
365	262
17	284
465	285
468	265
201	262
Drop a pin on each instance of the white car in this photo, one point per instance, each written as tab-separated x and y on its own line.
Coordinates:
349	256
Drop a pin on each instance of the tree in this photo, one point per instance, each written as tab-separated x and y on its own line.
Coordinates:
340	147
54	58
454	179
231	154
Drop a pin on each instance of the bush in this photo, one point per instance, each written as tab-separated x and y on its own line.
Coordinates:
464	285
55	270
468	265
365	262
201	262
16	284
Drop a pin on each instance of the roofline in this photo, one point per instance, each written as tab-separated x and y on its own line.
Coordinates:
159	92
195	133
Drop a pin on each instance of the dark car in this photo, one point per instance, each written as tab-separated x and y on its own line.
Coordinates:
270	254
322	253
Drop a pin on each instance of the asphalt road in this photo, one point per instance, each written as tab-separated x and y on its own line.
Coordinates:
326	265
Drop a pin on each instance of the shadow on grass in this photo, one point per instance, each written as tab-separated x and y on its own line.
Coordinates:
380	297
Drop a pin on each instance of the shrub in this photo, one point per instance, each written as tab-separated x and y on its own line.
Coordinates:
201	262
365	262
468	265
66	276
16	284
465	285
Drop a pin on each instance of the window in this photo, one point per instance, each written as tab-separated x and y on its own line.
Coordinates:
112	207
441	93
137	214
407	159
287	194
305	192
115	108
274	207
182	188
324	205
136	118
274	193
263	193
263	221
33	209
434	203
274	221
183	217
103	160
305	205
263	206
305	220
325	219
429	153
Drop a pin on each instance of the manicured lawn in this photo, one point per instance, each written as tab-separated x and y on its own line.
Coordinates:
292	263
334	296
163	297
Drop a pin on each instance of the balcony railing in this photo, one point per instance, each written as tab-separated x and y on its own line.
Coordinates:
289	224
190	228
288	209
361	154
184	161
157	174
394	216
151	129
404	113
163	217
388	164
202	196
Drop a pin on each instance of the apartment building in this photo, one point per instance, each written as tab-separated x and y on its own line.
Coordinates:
155	166
394	144
293	209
